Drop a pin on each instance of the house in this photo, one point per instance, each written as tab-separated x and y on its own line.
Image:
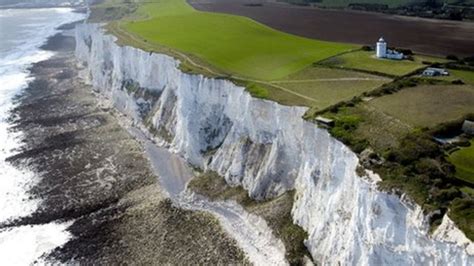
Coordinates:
468	127
325	121
383	52
433	72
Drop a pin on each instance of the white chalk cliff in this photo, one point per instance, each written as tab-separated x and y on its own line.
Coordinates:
269	149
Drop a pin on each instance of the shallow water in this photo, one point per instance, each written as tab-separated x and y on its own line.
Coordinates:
22	33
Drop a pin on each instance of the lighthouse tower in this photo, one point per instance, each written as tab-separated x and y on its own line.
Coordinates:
381	48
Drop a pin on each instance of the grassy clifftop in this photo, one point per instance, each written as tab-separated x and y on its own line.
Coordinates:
389	117
235	45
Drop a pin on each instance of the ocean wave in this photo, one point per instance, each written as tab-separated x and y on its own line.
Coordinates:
23	32
14	77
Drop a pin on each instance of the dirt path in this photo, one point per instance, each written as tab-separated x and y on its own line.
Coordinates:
124	34
251	232
328	79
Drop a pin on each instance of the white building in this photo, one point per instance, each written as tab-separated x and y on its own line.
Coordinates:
383	52
468	127
381	48
432	72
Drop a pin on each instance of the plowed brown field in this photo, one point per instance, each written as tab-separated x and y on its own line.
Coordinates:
428	36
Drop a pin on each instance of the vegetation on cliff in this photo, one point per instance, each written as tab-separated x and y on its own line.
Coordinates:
381	108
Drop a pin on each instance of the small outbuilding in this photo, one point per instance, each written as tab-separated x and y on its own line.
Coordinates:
325	121
434	72
468	127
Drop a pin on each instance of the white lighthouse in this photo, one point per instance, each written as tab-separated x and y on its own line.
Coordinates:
381	48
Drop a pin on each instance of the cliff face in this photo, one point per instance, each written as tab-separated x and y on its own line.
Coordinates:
268	149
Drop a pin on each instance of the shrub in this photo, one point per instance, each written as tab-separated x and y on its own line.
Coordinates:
405	51
429	167
452	57
469	60
413	147
359	146
446	195
257	91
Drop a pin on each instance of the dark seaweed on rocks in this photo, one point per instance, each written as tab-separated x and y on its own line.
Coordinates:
93	173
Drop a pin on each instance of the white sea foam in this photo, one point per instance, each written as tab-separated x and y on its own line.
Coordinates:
22	33
26	244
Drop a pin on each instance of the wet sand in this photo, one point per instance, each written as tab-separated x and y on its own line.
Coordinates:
92	172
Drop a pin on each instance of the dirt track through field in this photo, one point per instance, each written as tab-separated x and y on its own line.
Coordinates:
119	32
437	37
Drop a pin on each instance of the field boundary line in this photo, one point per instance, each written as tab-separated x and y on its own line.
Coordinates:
329	79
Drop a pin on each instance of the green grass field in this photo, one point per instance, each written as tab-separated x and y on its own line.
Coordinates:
366	61
329	86
327	93
233	44
428	105
317	72
463	159
466	76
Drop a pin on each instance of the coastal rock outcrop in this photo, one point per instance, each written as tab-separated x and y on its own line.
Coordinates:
268	149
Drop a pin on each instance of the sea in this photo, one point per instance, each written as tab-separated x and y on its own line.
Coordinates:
22	33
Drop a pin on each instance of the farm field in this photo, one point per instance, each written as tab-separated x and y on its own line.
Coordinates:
318	87
234	45
463	160
420	35
344	3
264	75
327	93
365	60
318	72
427	105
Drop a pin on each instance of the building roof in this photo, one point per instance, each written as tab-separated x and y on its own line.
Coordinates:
324	120
436	69
468	127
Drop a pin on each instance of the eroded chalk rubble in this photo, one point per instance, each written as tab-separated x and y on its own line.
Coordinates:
268	149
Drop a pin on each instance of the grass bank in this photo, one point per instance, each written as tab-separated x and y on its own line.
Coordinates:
463	159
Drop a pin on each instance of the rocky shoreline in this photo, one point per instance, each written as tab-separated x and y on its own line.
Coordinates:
94	173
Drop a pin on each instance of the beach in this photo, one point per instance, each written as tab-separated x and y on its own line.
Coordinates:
91	183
